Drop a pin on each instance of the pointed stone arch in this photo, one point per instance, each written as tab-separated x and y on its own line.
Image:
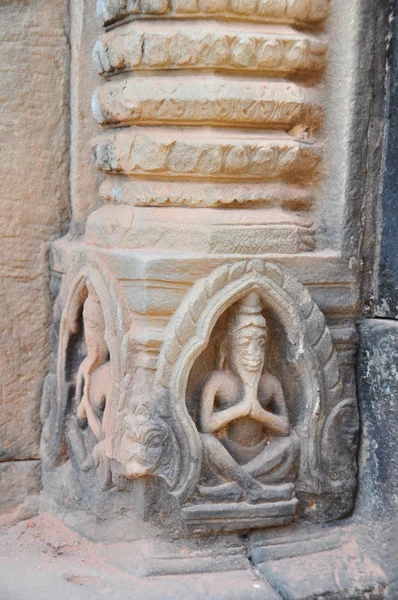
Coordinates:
309	347
74	290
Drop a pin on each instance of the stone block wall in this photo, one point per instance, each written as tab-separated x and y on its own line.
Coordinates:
34	197
377	500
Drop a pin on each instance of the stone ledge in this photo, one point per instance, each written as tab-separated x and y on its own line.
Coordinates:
310	562
325	273
197	155
141	46
175	101
225	516
174	193
212	232
265	11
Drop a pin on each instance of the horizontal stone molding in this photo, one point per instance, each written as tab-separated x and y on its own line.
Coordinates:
220	517
266	11
236	231
171	153
145	46
146	297
178	101
331	282
154	283
174	193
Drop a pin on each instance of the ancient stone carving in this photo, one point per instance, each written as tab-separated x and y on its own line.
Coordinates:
247	437
179	160
194	194
148	446
339	442
88	388
173	102
243	422
187	352
285	11
87	377
168	154
138	47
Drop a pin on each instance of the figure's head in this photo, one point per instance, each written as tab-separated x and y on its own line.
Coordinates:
143	443
247	335
148	447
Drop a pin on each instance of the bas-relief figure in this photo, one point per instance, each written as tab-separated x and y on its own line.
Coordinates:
85	432
93	377
244	424
148	445
249	439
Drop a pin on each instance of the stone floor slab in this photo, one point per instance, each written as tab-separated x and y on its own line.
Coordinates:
41	559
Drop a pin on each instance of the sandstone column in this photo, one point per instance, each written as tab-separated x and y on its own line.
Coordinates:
219	230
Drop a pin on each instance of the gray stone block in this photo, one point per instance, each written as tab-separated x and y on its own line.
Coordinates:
378	402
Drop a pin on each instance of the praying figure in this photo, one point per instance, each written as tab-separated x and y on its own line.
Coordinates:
249	447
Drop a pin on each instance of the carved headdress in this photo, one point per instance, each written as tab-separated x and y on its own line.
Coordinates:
248	314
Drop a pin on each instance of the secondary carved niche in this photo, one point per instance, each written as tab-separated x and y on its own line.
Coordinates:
86	377
96	421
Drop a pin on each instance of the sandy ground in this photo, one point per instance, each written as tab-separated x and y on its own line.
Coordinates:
40	559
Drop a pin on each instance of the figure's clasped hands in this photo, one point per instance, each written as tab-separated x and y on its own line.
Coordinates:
273	422
246	406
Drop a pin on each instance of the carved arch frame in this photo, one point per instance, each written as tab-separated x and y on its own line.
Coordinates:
309	349
116	326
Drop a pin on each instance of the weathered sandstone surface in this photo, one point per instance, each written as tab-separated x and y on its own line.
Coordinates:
34	79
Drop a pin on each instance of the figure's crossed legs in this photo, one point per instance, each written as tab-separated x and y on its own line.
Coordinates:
242	479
